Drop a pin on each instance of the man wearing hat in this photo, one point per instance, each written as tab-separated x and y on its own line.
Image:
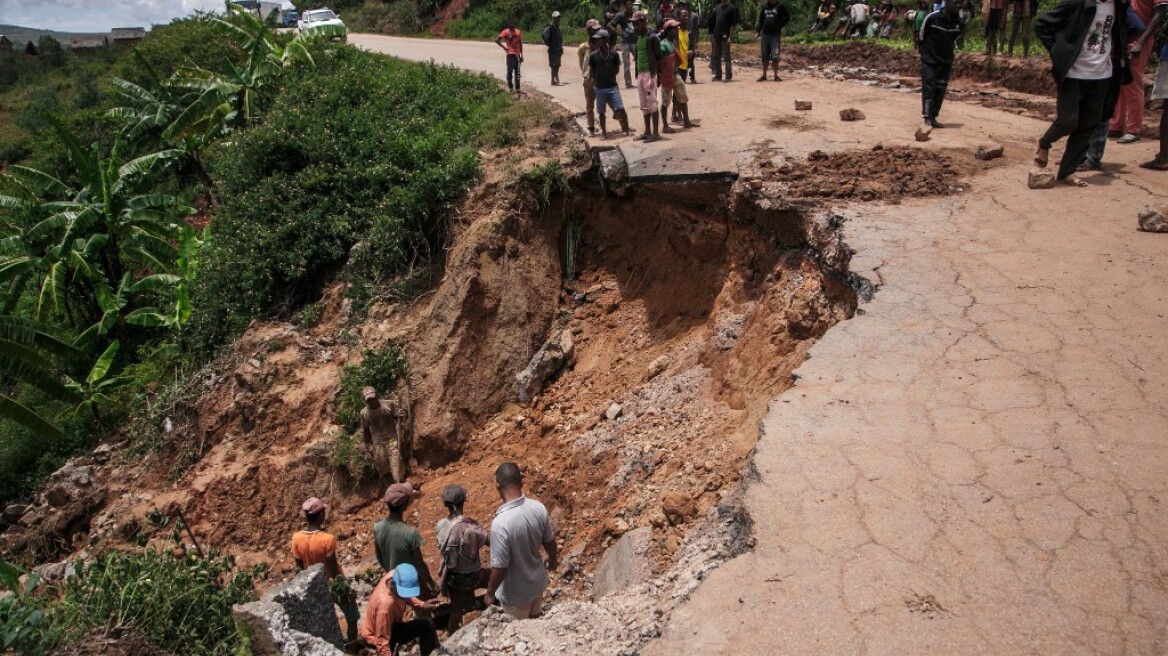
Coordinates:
554	40
585	49
459	540
385	628
647	54
382	429
313	546
396	542
603	65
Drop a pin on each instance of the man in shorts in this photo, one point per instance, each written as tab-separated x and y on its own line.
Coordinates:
553	38
1160	87
772	18
648	52
604	65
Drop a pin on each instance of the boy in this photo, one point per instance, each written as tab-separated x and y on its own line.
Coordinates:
648	52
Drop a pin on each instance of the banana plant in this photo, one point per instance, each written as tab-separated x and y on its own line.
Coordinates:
29	353
94	391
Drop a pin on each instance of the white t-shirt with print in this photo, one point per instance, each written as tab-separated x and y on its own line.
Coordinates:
1094	61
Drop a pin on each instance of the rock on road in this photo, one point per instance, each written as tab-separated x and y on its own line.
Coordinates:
978	463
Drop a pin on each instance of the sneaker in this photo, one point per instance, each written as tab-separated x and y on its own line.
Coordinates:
1128	138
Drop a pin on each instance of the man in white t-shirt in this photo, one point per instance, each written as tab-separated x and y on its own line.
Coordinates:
1086	40
519	575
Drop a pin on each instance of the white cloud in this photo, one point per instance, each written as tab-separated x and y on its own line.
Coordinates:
98	15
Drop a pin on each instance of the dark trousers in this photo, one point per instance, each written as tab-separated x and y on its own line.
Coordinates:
720	53
1020	25
1079	109
995	22
421	630
513	70
934	83
1098	140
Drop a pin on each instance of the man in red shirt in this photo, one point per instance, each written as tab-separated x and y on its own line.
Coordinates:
511	41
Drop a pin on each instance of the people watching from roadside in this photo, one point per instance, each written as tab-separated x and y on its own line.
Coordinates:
385	627
966	15
1160	86
1086	44
859	13
1128	120
519	576
773	16
622	26
1021	15
692	25
994	13
460	539
511	41
685	44
604	64
938	37
919	15
887	20
396	542
823	17
384	435
647	53
587	48
1098	142
313	546
720	24
667	70
553	38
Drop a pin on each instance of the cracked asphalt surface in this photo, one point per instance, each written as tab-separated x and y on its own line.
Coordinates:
977	463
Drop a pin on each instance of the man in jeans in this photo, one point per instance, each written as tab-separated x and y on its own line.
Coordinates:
511	41
519	575
721	23
1086	42
772	18
621	26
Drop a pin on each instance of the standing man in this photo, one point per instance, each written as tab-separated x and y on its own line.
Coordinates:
1021	14
396	542
859	13
605	64
459	540
995	24
772	18
1160	87
667	70
1086	42
383	432
554	40
511	41
313	546
723	19
587	48
939	34
519	575
385	627
647	53
622	25
1128	121
692	25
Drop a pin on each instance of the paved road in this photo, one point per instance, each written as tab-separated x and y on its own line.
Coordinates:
987	442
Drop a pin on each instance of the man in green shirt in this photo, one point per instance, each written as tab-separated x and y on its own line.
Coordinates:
397	542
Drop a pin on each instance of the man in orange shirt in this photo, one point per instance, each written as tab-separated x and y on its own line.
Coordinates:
384	628
313	546
511	41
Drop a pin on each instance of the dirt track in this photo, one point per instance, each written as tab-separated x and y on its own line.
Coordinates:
975	464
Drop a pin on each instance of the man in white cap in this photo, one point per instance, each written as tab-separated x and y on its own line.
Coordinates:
554	40
313	546
382	431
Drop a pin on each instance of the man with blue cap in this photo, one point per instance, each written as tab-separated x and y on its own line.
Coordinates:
383	627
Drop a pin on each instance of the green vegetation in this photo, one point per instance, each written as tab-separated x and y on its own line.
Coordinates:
484	20
348	455
381	369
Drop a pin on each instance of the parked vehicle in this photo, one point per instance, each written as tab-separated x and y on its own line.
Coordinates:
288	18
317	18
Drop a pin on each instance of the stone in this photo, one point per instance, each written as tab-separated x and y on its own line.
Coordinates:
613	166
1151	220
270	633
616	527
658	366
58	495
802	105
990	151
545	365
678	507
924	133
851	115
14	511
625	563
309	604
613	411
1041	179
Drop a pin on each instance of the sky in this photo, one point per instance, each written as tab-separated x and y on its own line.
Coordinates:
98	15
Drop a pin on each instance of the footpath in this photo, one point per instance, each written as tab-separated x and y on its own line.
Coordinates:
976	462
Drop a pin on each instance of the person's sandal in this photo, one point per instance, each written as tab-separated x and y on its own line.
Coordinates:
1072	181
1128	138
1155	165
1042	157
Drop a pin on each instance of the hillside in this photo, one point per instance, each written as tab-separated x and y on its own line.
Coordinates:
21	35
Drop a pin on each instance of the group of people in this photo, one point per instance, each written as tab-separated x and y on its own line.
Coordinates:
515	580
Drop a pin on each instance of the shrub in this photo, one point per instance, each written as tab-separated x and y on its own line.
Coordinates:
381	369
360	147
310	315
348	455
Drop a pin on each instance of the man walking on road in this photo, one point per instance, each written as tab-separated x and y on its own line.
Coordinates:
519	575
721	23
772	18
647	53
554	40
1086	41
939	33
511	41
383	432
1160	87
604	64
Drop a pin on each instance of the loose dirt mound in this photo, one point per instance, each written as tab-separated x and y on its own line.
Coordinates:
100	642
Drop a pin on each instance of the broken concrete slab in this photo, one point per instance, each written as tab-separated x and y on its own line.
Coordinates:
309	604
1041	179
625	563
802	105
852	114
1154	219
270	633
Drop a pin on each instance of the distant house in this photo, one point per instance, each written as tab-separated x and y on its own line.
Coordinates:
88	45
127	36
6	44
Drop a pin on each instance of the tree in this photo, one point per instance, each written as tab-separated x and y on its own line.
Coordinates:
27	349
51	51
